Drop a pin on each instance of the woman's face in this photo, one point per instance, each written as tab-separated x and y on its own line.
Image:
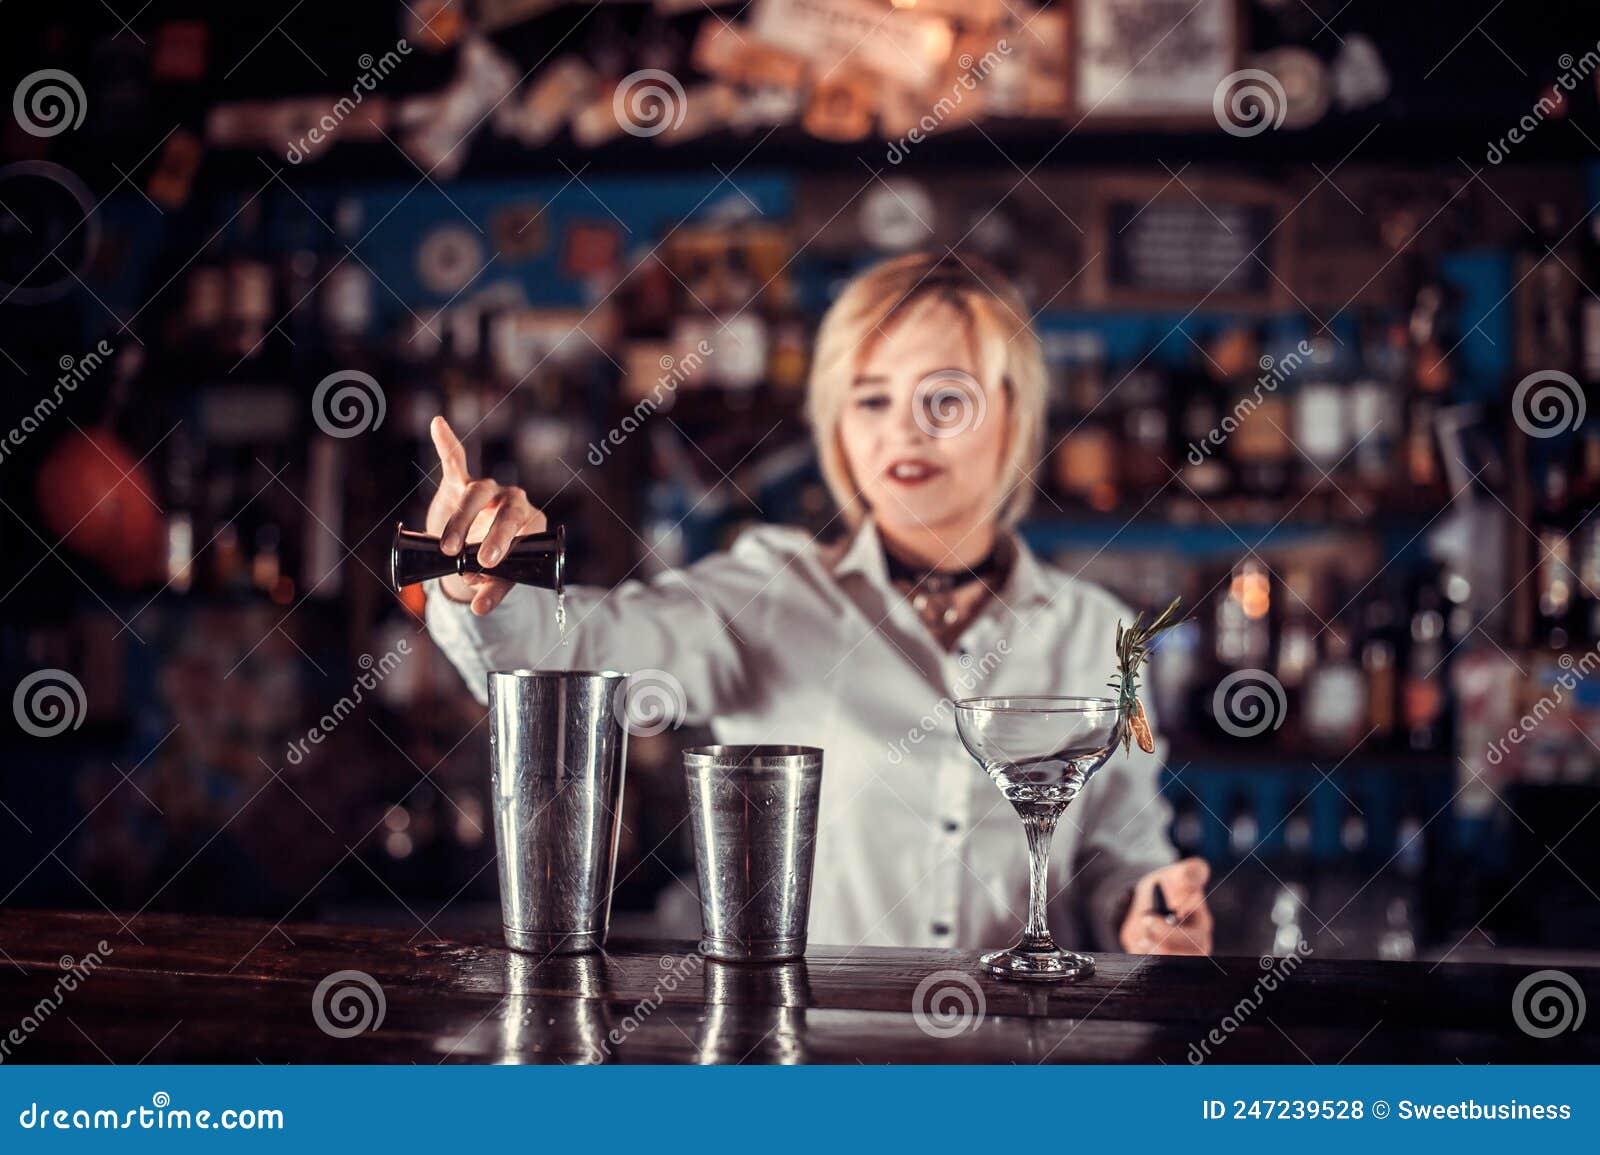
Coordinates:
924	437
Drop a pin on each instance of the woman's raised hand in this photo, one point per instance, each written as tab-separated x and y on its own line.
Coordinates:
475	509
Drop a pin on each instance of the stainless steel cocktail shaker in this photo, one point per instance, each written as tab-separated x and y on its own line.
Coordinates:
557	747
754	813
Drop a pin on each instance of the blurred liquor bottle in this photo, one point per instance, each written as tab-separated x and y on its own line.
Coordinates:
741	331
1429	379
1244	825
1323	425
1375	409
497	401
1556	580
1144	457
181	470
1181	667
1586	489
347	304
1425	704
1084	464
1337	695
1261	446
205	293
1589	308
1241	623
1299	850
1552	295
1203	467
1296	654
248	285
1380	655
343	388
296	275
1585	539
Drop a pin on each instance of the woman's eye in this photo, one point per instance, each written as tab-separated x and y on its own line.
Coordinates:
874	402
953	408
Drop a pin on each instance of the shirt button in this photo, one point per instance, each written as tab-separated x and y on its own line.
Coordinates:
940	929
951	826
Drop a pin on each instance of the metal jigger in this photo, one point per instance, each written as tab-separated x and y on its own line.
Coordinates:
556	749
533	559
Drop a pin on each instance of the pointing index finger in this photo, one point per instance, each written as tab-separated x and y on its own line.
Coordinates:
452	455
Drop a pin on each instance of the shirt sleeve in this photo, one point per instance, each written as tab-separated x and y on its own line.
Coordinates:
681	630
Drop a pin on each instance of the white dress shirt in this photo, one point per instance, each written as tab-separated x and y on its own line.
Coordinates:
783	640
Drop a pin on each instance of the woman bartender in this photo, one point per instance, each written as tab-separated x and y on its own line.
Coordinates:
927	400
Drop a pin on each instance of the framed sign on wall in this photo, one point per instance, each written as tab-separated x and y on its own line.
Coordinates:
1192	242
1152	60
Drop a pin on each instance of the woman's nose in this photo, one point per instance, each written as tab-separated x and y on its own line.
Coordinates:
909	425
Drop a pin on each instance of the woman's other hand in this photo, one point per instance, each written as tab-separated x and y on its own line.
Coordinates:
1188	930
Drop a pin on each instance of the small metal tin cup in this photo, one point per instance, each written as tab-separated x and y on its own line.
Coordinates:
557	748
754	813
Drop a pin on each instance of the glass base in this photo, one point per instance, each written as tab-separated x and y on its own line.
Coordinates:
1038	965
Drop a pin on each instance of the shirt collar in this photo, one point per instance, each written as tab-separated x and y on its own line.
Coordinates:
1026	585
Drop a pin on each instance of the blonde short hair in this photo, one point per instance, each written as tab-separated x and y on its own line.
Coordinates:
1007	348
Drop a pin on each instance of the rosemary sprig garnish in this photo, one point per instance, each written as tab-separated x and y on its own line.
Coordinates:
1134	645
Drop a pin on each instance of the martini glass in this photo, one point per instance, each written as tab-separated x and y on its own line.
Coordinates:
1040	750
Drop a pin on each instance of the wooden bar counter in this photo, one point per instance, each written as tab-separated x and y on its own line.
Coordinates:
176	989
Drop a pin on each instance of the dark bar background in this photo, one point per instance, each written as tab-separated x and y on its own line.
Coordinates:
186	781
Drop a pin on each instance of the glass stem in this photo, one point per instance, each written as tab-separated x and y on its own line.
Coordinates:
1039	823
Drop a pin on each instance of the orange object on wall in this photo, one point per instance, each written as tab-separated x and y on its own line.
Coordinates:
97	497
